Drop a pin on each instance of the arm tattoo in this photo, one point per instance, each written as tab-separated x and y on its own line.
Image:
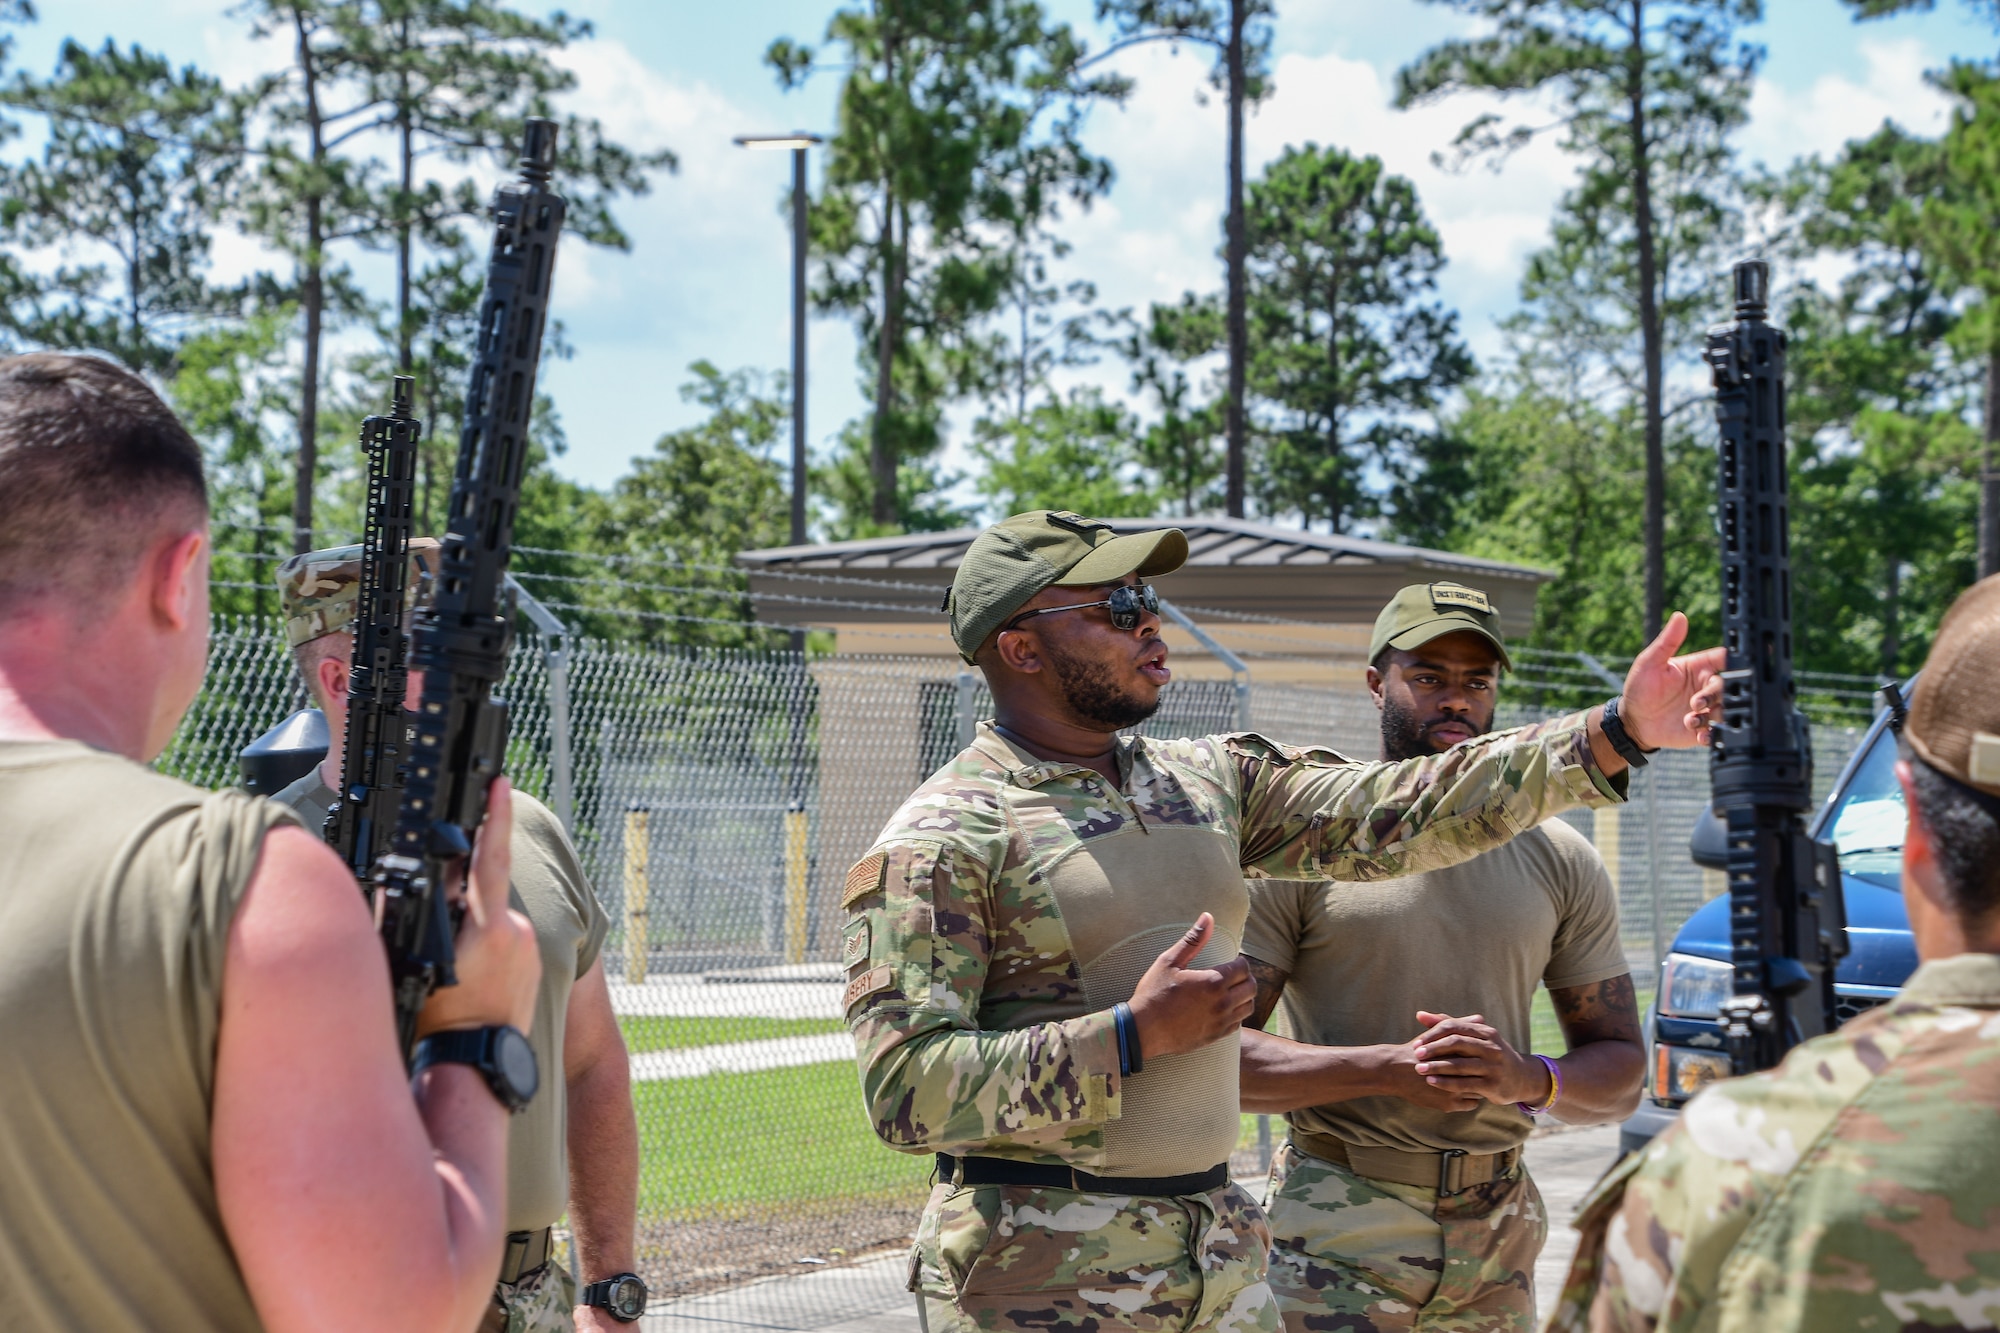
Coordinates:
1270	985
1606	1010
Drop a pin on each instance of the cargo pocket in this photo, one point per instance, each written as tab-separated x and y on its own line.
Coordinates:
953	1235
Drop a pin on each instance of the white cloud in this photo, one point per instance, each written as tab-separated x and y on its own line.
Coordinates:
1786	124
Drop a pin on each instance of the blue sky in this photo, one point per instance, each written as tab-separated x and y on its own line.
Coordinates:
708	275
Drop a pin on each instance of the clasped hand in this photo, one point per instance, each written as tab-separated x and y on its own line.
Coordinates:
1457	1063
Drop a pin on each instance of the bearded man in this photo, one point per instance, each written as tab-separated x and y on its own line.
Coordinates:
1044	983
1401	1200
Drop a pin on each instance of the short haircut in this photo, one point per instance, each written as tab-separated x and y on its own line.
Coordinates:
312	652
1965	830
92	464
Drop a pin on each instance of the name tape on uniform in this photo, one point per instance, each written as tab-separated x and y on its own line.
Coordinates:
1449	596
878	978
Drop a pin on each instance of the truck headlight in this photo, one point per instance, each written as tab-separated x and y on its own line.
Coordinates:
1679	1072
1693	987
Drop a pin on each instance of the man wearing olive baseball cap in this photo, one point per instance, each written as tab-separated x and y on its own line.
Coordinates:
1401	1200
1855	1185
1041	948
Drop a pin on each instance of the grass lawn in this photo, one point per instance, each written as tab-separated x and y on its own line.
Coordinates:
731	1142
651	1033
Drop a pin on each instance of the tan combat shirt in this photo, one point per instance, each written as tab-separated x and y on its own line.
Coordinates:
549	887
1011	902
117	890
1473	938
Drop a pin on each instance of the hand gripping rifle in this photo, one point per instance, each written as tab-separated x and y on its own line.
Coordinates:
371	788
1787	918
462	635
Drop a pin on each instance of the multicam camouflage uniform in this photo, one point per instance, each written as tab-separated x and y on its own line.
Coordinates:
1011	902
1362	1255
542	1302
1856	1186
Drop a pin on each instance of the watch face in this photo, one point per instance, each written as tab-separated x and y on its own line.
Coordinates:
628	1298
516	1062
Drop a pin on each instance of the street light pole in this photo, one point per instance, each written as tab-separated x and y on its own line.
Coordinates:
798	143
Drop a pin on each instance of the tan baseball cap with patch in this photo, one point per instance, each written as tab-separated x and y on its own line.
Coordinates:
1426	611
1045	548
321	590
1954	721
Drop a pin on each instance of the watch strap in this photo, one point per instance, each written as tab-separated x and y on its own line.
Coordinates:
475	1047
1621	740
598	1294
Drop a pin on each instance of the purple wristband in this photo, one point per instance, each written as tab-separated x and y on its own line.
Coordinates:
1555	1089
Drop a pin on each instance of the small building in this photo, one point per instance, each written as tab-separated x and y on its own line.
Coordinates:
895	700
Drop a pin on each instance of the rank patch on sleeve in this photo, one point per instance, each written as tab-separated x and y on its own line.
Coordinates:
875	979
854	943
864	879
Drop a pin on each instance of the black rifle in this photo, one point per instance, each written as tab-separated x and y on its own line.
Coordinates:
1787	917
371	787
462	635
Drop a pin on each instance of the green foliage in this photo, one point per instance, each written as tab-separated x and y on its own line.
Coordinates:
132	176
1075	452
1647	93
1346	352
959	137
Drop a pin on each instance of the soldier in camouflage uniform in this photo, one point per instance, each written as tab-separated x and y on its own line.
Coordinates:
1044	988
1401	1200
586	1091
1857	1185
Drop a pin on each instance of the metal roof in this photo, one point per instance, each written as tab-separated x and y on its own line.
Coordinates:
1212	542
1234	567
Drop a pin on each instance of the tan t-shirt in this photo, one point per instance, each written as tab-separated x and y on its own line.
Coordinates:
1471	939
117	889
548	885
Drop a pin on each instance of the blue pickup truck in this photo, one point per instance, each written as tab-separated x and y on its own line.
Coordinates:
1864	819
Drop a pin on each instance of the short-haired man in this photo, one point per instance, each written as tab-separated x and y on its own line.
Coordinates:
206	1123
1857	1185
584	1120
1401	1201
1044	987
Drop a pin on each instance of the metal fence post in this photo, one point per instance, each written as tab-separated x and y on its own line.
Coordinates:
638	853
1239	671
555	659
795	884
968	694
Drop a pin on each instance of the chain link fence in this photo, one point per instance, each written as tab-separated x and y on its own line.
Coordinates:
717	797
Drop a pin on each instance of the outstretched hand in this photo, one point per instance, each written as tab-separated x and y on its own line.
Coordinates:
1669	702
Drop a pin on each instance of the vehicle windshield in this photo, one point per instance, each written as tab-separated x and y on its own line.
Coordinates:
1867	822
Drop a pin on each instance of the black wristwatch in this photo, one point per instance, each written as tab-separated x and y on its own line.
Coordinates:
502	1054
623	1295
1621	740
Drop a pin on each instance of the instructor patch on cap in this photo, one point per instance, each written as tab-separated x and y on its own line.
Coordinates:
1425	611
1447	596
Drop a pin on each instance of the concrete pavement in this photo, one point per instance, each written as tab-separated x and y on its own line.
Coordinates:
869	1297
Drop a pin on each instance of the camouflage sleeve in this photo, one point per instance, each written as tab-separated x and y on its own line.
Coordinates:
1312	814
1664	1232
918	944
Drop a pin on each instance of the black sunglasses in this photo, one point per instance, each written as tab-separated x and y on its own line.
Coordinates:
1127	601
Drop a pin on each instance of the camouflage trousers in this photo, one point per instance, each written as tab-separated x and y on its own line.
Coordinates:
1369	1256
542	1302
1000	1258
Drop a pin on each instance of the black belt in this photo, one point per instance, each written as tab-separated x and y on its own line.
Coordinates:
1000	1171
526	1253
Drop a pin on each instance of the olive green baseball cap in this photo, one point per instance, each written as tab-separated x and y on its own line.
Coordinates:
1018	557
1426	611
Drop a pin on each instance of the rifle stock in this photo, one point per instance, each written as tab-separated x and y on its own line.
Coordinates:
463	634
1787	916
